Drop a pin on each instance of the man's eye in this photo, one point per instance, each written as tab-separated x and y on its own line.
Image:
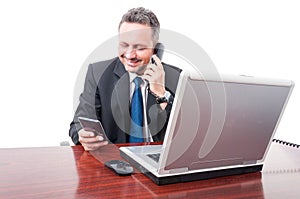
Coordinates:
123	45
123	48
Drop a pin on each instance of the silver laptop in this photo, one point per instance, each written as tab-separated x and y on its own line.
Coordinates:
219	125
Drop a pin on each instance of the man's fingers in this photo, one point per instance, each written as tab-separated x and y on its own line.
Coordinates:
93	143
90	139
84	133
94	146
157	61
149	72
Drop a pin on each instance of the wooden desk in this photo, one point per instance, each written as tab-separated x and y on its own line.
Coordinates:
71	172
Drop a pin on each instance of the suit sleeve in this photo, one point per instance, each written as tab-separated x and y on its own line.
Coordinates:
159	118
87	104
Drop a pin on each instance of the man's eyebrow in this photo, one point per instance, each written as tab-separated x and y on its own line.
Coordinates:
122	42
134	45
140	45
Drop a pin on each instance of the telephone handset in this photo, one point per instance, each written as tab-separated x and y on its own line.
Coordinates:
158	50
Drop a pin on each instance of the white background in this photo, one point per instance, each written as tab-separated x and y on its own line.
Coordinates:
43	45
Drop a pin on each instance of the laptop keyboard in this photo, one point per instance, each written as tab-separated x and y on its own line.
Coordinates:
154	156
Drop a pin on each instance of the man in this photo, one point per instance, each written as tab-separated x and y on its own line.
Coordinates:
110	86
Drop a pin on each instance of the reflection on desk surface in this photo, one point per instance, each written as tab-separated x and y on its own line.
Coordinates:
48	172
241	185
71	172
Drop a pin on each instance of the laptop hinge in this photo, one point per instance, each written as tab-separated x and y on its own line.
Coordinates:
179	170
250	162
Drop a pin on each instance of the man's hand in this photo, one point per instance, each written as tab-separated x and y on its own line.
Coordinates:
155	75
89	141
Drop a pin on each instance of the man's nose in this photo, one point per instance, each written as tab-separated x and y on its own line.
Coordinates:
130	53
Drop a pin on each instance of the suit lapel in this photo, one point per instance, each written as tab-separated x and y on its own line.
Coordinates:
120	98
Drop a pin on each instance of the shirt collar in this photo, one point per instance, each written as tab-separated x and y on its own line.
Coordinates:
134	75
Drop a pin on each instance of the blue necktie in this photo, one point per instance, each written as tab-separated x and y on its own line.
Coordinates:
136	130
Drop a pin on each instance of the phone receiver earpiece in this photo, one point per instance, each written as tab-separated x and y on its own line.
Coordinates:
159	50
152	61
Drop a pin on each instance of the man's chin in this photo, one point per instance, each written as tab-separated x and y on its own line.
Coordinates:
138	69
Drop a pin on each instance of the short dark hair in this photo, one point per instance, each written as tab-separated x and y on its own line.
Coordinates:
143	16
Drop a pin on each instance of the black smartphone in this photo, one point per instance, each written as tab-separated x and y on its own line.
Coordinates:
92	125
158	50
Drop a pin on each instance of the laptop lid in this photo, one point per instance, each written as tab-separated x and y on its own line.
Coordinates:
222	121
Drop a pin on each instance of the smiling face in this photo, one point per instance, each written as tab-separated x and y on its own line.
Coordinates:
135	46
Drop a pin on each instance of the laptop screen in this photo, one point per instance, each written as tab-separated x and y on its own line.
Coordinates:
221	123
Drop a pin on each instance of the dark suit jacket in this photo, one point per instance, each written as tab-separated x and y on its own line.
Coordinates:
106	97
